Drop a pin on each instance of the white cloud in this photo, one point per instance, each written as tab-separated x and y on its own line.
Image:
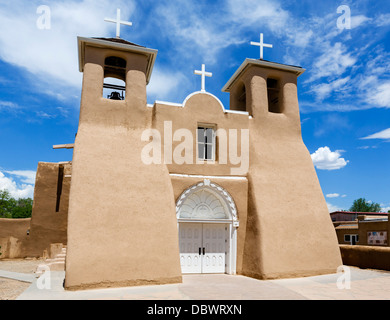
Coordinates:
380	95
332	208
163	84
334	61
301	38
324	90
184	24
382	20
265	12
384	208
307	107
26	176
332	195
52	54
385	134
10	107
24	190
356	21
325	159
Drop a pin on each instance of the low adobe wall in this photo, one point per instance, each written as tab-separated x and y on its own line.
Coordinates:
366	256
49	218
13	236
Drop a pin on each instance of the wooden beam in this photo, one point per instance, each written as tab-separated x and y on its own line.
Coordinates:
64	146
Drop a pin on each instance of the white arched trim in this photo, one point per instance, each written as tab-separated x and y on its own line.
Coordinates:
204	92
199	92
224	197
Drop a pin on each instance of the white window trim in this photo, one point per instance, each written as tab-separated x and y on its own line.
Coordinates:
213	143
350	237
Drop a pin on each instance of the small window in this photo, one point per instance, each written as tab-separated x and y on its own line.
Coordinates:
347	238
115	62
273	92
206	143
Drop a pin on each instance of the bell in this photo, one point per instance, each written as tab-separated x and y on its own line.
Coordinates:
115	96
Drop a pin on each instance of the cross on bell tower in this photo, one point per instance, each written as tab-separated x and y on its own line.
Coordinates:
261	44
118	22
204	74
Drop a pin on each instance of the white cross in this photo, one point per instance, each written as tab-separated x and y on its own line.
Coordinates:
261	44
118	22
204	74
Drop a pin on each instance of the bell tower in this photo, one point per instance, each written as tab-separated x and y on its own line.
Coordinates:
289	230
121	218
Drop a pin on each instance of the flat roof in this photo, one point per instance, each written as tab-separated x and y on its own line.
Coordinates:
263	63
116	44
361	213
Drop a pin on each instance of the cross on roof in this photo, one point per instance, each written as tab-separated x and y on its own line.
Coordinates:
204	74
261	44
118	22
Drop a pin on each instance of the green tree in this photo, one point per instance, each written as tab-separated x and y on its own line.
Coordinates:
361	205
12	208
5	204
22	209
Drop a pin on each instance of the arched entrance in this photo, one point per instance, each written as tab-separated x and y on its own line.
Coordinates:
207	223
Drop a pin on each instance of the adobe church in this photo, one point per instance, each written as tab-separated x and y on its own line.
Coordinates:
135	222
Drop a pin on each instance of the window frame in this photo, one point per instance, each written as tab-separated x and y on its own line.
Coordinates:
350	237
204	127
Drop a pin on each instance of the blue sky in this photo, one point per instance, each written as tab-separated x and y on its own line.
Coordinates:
344	94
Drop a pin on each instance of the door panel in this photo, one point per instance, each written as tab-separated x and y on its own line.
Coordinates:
202	247
214	236
190	240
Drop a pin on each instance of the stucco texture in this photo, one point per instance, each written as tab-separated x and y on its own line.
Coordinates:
122	227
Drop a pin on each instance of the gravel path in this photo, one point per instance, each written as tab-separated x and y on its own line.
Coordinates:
11	289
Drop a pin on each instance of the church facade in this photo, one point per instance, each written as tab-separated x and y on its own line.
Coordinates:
161	190
157	191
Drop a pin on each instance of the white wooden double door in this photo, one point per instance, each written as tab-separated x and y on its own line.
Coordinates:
202	247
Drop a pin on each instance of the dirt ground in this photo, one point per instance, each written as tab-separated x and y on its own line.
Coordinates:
11	289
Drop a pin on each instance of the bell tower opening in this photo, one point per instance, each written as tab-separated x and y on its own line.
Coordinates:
114	86
238	98
241	98
273	94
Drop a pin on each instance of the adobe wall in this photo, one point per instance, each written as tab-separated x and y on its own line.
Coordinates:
201	108
370	226
122	228
366	256
13	237
289	230
47	224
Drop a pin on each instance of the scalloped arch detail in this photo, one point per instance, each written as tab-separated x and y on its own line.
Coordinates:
206	200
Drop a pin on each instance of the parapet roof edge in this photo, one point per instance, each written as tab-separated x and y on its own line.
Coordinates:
263	63
182	105
150	53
